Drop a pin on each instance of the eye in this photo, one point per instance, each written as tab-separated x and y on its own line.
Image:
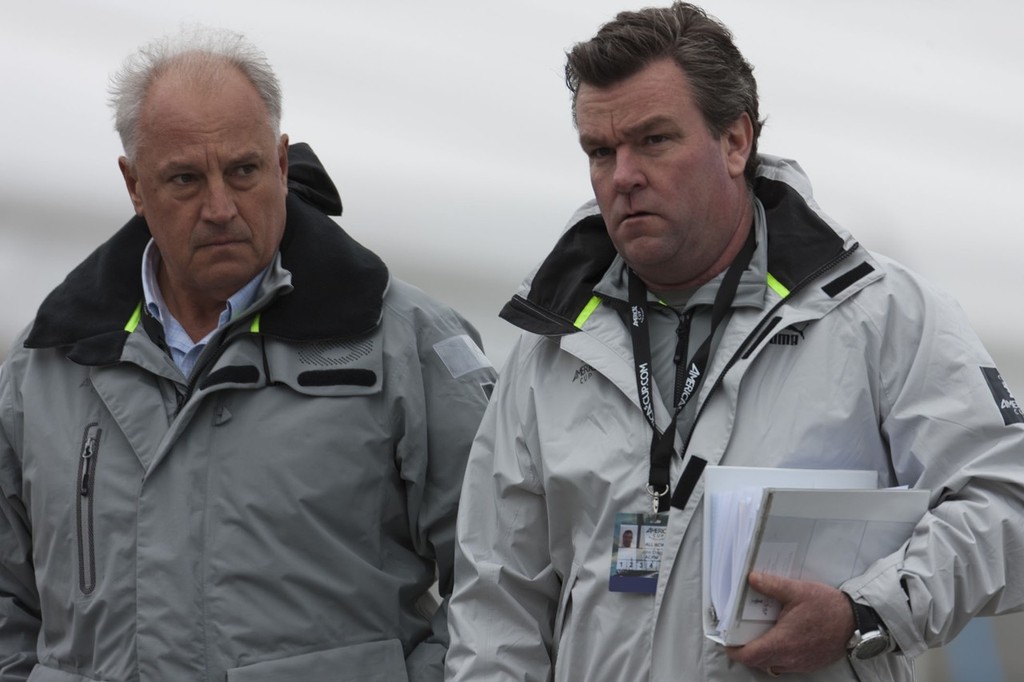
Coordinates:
651	140
245	169
599	152
183	179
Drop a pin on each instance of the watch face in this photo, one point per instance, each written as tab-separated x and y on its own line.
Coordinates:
871	645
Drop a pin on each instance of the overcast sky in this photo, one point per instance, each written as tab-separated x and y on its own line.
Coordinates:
446	128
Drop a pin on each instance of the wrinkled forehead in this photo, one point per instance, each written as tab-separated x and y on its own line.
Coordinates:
224	109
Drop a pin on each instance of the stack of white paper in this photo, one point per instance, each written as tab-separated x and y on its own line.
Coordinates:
733	516
774	521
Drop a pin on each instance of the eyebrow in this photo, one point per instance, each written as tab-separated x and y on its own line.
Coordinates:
649	125
179	166
639	130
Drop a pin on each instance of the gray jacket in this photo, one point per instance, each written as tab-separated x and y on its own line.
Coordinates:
280	515
851	362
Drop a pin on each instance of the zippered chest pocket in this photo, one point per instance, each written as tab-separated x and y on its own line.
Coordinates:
85	493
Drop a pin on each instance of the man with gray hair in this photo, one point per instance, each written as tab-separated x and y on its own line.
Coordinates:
231	444
703	310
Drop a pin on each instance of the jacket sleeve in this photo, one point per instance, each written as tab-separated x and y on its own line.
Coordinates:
19	599
446	387
506	590
952	428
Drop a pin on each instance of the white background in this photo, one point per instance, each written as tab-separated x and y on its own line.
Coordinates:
446	128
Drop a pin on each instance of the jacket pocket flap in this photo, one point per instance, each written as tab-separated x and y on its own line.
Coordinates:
370	662
42	673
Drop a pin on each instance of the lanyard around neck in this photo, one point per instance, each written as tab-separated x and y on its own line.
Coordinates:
694	369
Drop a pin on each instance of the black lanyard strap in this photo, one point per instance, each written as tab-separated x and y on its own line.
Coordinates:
689	374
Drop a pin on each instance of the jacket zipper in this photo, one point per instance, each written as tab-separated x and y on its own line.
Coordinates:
755	333
199	369
86	493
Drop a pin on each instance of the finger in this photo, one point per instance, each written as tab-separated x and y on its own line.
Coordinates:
783	589
756	653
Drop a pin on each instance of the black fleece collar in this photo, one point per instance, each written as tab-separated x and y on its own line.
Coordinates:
338	283
799	244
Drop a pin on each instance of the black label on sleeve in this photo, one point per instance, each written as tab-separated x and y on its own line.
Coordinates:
1005	401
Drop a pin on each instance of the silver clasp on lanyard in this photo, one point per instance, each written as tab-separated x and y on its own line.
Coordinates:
656	497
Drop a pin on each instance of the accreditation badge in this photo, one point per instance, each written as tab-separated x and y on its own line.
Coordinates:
637	545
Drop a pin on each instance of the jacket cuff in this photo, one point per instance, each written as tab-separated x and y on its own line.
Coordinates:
880	589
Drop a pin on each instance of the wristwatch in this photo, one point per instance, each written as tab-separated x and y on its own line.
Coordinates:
870	638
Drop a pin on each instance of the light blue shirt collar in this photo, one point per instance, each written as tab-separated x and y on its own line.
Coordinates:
184	351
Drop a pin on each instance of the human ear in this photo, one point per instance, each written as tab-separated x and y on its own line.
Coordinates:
131	181
736	143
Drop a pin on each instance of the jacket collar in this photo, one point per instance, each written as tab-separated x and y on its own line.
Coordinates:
338	285
801	245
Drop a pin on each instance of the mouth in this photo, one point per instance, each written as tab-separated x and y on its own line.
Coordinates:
215	243
636	215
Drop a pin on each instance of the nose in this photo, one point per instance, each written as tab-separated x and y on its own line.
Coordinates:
629	173
219	204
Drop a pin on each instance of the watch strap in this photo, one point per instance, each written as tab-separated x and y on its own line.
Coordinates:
870	636
865	618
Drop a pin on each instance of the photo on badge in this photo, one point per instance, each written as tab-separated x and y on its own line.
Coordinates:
637	543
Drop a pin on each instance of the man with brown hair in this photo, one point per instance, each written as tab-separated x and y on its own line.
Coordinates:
722	319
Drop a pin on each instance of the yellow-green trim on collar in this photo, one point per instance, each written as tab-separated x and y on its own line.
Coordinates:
133	321
587	311
777	286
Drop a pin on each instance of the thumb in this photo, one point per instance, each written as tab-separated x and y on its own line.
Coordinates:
773	586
